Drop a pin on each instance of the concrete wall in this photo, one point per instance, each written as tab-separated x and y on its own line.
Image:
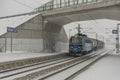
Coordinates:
24	45
53	34
35	36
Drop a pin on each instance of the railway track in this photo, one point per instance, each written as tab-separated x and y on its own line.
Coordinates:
52	76
50	69
45	69
8	73
86	67
7	70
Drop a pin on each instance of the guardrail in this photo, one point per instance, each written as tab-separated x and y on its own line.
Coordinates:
67	3
54	4
62	3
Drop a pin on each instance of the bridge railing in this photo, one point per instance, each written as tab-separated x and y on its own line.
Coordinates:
54	4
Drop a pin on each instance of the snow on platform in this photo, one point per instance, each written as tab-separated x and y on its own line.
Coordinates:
5	57
107	68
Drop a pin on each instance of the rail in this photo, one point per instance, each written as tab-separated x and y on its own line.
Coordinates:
14	72
87	58
87	66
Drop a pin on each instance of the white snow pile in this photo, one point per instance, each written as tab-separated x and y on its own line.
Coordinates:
107	68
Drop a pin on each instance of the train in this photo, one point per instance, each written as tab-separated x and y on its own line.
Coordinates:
80	44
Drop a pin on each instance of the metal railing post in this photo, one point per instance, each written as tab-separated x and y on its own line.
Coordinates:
117	39
5	43
68	3
60	3
11	42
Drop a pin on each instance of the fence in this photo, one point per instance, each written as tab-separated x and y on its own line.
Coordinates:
62	3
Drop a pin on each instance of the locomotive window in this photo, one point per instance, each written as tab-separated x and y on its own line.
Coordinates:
87	41
76	40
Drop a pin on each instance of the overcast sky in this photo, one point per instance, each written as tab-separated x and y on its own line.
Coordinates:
9	7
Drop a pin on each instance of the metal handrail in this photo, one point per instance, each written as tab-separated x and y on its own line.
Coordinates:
51	5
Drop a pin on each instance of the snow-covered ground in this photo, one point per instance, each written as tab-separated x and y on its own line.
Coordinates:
108	68
4	57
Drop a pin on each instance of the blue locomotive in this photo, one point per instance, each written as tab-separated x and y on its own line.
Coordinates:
80	44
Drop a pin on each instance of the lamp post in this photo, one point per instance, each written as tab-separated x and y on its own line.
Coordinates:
96	39
11	30
117	39
69	32
103	38
44	22
11	41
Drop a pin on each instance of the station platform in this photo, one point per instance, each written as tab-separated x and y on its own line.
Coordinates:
5	57
16	60
107	68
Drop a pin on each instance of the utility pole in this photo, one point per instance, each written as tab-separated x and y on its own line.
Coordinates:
79	31
5	43
11	30
117	39
69	32
11	42
96	41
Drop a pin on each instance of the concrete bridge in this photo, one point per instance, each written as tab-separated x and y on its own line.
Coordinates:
45	31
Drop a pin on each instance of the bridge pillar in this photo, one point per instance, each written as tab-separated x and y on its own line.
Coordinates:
53	36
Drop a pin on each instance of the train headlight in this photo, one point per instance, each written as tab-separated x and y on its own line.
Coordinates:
79	47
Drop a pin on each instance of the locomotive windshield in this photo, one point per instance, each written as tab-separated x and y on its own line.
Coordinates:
77	40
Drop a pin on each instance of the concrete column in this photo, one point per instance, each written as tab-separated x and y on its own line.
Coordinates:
53	36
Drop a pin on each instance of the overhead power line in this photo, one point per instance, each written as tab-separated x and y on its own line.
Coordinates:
29	13
23	4
36	2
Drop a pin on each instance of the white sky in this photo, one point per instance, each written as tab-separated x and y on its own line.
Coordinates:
11	7
103	28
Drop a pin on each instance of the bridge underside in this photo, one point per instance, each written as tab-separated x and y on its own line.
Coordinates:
112	13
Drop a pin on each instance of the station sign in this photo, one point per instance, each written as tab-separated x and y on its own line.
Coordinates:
117	38
11	29
114	31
